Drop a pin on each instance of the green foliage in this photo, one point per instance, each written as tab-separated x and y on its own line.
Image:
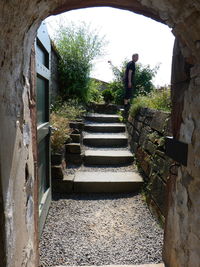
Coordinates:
120	114
70	110
117	88
94	93
157	99
61	114
117	85
78	46
107	95
142	81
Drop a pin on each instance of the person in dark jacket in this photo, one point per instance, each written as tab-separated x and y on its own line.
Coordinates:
129	81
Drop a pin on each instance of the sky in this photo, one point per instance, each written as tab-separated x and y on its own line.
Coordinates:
127	33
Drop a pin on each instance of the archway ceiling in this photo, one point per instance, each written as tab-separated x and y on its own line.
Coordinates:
133	6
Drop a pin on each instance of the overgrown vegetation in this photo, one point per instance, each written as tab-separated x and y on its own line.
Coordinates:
60	133
69	109
61	114
157	99
108	95
94	93
78	46
142	83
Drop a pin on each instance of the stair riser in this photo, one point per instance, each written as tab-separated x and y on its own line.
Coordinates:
103	119
106	187
75	138
94	160
60	186
105	142
104	129
103	108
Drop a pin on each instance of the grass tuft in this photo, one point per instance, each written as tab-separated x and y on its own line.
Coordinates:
158	99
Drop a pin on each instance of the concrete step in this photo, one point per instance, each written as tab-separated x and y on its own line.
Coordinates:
107	157
75	138
107	182
105	140
64	185
105	127
103	108
74	148
73	158
76	125
143	265
102	117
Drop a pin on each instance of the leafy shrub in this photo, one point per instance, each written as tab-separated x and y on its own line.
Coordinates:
61	132
94	93
157	99
142	80
78	46
107	95
68	109
61	114
118	91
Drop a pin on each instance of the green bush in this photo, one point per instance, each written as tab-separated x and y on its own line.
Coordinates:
78	46
107	95
68	109
94	93
118	91
157	99
142	82
61	114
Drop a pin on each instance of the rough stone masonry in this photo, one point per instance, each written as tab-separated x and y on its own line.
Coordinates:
18	161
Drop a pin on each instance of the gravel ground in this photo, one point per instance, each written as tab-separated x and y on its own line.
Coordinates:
71	169
121	148
125	168
100	229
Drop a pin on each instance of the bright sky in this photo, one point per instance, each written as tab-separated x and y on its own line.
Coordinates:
127	33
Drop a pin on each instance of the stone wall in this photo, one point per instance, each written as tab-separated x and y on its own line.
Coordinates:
147	131
18	165
182	231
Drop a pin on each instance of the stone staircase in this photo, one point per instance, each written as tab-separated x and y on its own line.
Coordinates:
104	149
105	133
104	145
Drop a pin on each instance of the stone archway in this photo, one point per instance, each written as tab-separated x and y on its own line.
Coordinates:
20	20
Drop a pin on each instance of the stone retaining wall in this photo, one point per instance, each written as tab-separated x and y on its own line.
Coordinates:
147	133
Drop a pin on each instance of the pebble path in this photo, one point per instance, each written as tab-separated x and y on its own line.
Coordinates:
100	229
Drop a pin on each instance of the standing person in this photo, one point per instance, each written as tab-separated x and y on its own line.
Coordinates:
129	82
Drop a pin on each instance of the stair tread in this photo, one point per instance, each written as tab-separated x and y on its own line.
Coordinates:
107	124
96	117
102	115
105	136
105	127
81	176
108	153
